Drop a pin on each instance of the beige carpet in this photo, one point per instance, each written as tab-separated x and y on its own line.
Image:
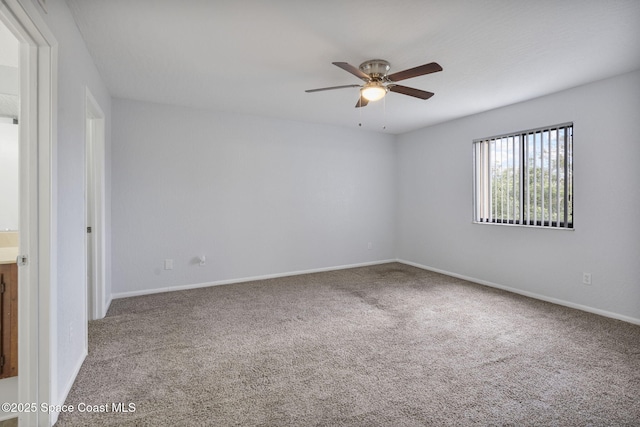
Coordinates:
388	345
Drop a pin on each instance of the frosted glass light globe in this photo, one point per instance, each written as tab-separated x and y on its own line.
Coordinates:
373	91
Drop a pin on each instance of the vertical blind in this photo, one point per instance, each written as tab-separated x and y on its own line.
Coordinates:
525	178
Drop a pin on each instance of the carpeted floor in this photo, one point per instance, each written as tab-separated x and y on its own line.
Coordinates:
387	345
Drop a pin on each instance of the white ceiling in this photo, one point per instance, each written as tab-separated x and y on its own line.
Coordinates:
258	57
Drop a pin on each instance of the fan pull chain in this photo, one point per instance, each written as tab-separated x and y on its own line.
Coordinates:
384	113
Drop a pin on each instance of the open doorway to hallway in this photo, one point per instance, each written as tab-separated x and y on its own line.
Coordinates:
95	208
9	213
37	77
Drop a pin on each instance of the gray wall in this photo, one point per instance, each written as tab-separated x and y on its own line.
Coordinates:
260	196
435	196
256	196
76	73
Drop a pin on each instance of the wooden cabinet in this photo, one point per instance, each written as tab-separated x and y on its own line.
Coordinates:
9	320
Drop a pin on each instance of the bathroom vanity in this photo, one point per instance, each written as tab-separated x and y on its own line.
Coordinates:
8	304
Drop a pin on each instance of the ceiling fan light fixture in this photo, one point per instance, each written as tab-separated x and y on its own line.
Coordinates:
378	82
373	91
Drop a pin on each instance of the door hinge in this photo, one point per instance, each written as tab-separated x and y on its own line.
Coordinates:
88	229
3	287
1	361
22	260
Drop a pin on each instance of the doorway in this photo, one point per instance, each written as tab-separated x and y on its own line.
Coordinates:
9	213
37	380
94	208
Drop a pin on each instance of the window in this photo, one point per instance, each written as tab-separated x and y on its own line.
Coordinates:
525	178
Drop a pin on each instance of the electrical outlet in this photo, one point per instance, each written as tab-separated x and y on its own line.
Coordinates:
369	245
586	278
168	264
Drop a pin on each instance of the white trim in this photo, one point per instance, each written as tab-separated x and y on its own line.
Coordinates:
528	294
7	416
245	279
108	303
65	392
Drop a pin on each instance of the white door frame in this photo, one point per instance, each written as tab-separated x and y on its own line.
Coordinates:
37	317
95	206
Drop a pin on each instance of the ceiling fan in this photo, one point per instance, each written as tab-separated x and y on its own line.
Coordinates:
377	82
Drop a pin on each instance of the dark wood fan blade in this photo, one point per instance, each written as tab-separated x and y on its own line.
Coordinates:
422	94
362	102
353	70
330	88
415	72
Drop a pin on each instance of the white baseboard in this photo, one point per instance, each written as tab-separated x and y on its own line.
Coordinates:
67	388
8	394
244	279
107	305
528	294
8	415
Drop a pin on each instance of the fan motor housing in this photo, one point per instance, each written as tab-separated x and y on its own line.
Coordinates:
376	68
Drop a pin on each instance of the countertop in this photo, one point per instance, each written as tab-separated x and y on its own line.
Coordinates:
8	255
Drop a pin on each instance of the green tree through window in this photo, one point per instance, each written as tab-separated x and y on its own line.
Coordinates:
525	178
